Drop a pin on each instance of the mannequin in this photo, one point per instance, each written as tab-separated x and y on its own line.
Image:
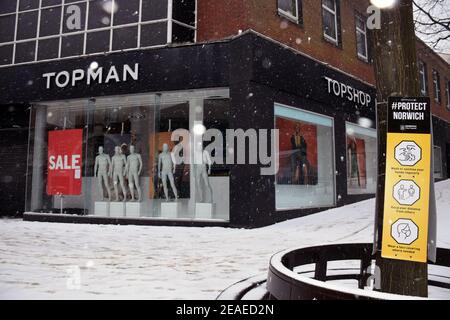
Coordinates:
166	169
133	170
102	170
353	164
119	162
202	172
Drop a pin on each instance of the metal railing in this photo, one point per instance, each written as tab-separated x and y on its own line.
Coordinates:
306	274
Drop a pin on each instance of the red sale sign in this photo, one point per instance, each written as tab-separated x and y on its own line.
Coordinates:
64	162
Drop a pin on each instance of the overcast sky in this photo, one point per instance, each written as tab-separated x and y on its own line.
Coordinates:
440	9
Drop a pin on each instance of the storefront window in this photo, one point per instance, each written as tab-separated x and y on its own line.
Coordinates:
306	176
114	157
361	159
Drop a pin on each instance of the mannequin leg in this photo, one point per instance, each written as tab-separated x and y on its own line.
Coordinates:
116	187
198	185
138	187
305	174
164	181
131	185
106	182
100	187
124	189
207	184
172	184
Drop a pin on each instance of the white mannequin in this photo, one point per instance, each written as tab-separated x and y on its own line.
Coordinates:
166	169
119	162
133	170
202	172
102	170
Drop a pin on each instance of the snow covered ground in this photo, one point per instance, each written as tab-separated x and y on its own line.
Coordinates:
67	261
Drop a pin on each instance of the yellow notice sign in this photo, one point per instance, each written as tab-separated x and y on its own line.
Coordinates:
407	188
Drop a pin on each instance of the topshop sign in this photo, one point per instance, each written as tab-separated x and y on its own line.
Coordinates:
345	91
93	75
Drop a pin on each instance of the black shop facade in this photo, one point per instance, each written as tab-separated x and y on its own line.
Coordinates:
101	127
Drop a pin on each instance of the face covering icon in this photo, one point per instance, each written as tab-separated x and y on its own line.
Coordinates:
404	229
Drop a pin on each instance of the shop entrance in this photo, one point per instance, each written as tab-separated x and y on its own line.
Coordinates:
13	148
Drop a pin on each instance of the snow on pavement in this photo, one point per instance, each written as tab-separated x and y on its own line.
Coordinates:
42	260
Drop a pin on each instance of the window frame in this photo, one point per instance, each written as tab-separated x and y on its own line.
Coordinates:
447	89
365	33
286	14
422	66
437	86
328	38
332	127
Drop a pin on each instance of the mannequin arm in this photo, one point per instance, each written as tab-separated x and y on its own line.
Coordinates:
208	161
95	167
173	162
140	164
110	168
126	168
159	166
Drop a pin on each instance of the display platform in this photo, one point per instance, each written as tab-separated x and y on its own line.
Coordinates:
117	209
133	209
169	210
101	208
204	210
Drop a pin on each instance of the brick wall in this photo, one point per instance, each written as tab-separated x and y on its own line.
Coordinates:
221	19
434	61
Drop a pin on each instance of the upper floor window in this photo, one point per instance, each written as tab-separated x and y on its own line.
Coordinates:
437	86
448	93
423	78
292	9
361	38
330	20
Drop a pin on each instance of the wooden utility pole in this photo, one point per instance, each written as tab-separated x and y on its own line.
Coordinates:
396	73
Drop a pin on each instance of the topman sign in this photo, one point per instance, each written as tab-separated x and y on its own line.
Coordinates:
99	75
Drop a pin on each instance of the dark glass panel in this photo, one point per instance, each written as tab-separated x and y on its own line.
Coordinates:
154	10
50	21
154	34
25	51
7	25
6	53
97	41
48	48
27	25
72	45
125	38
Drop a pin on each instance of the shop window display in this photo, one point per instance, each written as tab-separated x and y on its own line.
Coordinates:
114	157
361	159
306	159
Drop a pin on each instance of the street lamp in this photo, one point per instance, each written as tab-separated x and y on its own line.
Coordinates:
383	4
